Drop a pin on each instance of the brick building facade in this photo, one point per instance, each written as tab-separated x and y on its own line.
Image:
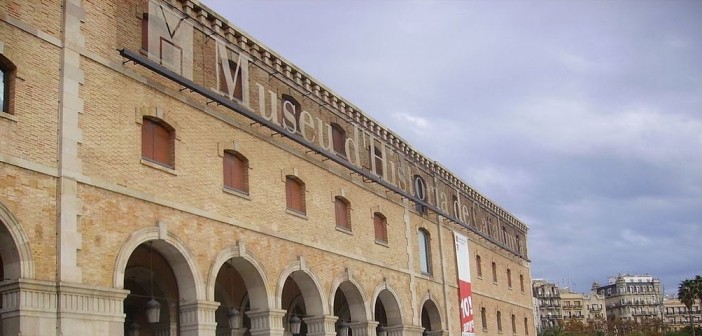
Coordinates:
150	151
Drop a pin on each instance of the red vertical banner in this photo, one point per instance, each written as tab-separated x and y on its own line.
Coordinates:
465	293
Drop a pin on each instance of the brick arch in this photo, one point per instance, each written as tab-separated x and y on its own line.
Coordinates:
249	268
309	286
350	286
190	283
17	260
429	303
388	297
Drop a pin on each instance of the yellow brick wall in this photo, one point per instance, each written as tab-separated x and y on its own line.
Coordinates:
119	194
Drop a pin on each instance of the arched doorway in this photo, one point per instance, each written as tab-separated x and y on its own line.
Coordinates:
16	265
349	308
300	298
386	310
431	320
148	276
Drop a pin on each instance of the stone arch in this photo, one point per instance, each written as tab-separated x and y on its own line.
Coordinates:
350	286
17	261
433	314
190	284
251	270
388	296
309	286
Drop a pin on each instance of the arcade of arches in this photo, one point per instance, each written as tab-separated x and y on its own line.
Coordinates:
235	291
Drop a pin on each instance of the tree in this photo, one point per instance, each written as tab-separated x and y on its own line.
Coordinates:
687	294
698	289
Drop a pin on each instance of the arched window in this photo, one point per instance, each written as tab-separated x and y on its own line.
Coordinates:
514	324
158	142
521	282
295	194
339	139
424	252
479	265
7	85
236	171
291	109
483	318
494	272
499	321
235	76
342	209
380	225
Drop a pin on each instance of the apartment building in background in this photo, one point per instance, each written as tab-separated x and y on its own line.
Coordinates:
632	297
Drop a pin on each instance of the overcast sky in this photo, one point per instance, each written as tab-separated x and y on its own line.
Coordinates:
581	118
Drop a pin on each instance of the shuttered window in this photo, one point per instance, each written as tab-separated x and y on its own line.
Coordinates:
339	139
499	321
342	213
236	169
479	265
236	79
157	140
494	272
380	225
509	278
295	194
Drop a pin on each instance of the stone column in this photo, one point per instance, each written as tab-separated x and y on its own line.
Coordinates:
197	318
267	322
365	328
321	325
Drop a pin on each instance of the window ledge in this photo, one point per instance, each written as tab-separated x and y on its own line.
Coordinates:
159	166
344	230
5	115
236	192
295	213
383	243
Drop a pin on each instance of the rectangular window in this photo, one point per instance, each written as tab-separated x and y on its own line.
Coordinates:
509	278
295	194
380	225
479	266
342	213
236	169
2	91
494	272
157	142
424	252
7	80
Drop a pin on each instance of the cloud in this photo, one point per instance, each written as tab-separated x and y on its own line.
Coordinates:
582	118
